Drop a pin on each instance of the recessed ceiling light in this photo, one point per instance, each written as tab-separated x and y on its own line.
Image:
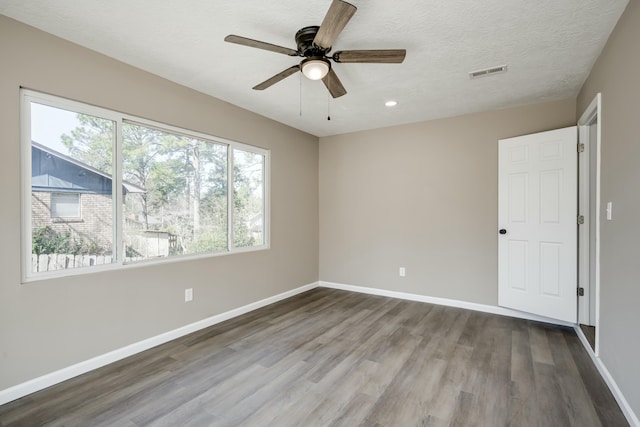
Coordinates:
391	103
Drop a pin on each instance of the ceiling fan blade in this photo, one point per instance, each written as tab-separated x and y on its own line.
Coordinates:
275	79
260	45
389	56
333	84
337	17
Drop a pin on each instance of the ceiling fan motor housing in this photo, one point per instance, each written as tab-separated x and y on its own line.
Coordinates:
304	41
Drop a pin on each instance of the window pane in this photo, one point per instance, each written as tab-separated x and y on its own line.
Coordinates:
71	160
248	198
176	201
65	205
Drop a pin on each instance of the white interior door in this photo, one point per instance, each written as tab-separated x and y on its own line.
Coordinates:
537	218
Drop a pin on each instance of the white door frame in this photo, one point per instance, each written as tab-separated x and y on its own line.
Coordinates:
591	114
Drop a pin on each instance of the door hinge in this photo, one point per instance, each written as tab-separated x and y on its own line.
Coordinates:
580	292
580	148
580	219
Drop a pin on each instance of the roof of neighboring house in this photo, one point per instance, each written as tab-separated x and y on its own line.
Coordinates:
54	171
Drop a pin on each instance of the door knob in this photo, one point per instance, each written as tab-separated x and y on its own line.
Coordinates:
503	231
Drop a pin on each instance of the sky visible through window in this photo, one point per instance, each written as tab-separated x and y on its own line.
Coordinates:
48	124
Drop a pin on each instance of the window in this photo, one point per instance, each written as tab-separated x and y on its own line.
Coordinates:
64	163
65	205
183	208
248	198
178	193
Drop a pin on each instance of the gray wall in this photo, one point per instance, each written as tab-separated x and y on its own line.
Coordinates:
52	324
422	196
616	74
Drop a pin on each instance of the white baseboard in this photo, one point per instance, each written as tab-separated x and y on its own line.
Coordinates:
631	417
448	302
37	384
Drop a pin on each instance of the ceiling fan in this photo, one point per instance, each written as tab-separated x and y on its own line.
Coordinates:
314	44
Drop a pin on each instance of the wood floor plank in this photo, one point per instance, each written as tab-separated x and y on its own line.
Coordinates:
390	364
551	408
579	406
339	390
292	404
354	411
237	407
463	414
412	394
590	334
599	394
457	376
522	388
540	346
335	358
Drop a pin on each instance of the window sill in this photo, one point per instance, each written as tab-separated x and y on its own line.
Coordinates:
66	220
57	274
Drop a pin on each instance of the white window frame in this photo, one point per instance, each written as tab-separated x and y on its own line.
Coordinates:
28	96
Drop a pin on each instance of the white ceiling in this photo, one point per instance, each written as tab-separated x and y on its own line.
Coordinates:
549	47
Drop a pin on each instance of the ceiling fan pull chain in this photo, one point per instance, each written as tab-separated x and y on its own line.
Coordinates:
300	94
328	107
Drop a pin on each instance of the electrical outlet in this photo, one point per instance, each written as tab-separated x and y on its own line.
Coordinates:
188	295
403	272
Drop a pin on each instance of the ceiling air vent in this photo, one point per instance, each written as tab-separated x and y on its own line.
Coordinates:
488	71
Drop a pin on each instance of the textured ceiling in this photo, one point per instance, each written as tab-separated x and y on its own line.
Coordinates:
549	47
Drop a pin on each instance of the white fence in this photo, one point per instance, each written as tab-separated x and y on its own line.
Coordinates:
52	262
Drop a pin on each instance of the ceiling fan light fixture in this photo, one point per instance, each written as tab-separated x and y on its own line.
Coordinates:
315	68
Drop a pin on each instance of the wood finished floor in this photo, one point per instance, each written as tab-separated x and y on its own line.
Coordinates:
329	358
590	334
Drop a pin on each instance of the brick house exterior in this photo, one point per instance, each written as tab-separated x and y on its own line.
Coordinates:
68	195
94	223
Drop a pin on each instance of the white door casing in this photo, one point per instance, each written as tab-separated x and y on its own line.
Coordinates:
537	206
590	133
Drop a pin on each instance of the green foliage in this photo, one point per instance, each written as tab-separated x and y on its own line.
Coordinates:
130	252
241	235
209	240
92	142
46	240
247	195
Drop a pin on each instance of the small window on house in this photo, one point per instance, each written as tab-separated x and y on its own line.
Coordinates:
65	205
